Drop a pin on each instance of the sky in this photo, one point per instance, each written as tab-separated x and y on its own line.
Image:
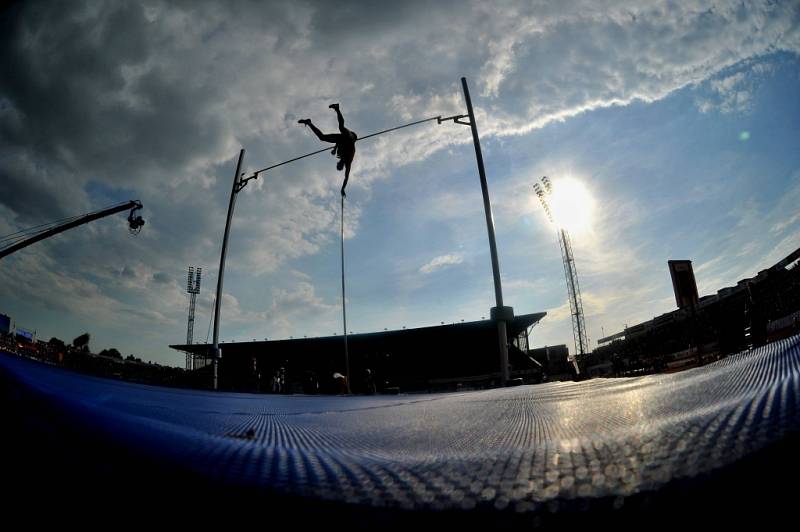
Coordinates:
680	120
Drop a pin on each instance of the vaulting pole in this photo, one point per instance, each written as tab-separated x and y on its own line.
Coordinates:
344	312
500	313
216	353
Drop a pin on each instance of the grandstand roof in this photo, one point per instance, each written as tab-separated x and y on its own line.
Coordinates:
514	327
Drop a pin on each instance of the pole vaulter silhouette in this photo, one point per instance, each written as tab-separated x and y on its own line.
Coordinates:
345	143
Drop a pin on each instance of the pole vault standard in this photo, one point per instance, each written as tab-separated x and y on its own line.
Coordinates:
500	313
238	185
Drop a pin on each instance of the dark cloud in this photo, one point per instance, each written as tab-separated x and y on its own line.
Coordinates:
89	98
162	278
36	192
128	272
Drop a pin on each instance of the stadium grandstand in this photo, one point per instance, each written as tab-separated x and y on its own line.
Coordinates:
444	357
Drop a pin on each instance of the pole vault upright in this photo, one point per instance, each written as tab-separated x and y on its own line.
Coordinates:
500	314
237	186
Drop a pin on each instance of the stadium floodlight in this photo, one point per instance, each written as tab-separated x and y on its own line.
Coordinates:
193	278
544	191
548	186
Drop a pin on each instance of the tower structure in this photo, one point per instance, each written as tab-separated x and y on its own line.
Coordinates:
570	272
192	288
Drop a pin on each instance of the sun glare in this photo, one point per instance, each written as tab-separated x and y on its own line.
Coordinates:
572	205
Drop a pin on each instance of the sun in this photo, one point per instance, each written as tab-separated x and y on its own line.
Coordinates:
572	205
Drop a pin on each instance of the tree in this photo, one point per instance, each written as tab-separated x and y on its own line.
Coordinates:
112	353
82	342
57	343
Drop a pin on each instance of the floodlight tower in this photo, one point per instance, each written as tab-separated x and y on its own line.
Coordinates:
192	288
570	272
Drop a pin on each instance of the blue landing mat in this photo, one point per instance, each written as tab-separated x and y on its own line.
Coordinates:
513	450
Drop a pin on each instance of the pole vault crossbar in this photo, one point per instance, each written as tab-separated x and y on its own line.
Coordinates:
439	119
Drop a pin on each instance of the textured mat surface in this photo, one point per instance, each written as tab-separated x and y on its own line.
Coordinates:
512	449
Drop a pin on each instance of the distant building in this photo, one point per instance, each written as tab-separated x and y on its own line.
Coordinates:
555	362
451	356
753	312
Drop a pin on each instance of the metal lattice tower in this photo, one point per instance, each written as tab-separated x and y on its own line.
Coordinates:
192	288
570	272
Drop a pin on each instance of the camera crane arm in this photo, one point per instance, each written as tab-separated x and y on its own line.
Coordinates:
135	224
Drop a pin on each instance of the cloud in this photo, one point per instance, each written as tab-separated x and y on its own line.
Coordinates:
559	313
518	285
732	91
33	193
40	280
558	62
299	302
141	84
735	96
162	278
785	224
763	234
128	272
441	262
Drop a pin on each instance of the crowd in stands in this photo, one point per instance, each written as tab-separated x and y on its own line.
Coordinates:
108	363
